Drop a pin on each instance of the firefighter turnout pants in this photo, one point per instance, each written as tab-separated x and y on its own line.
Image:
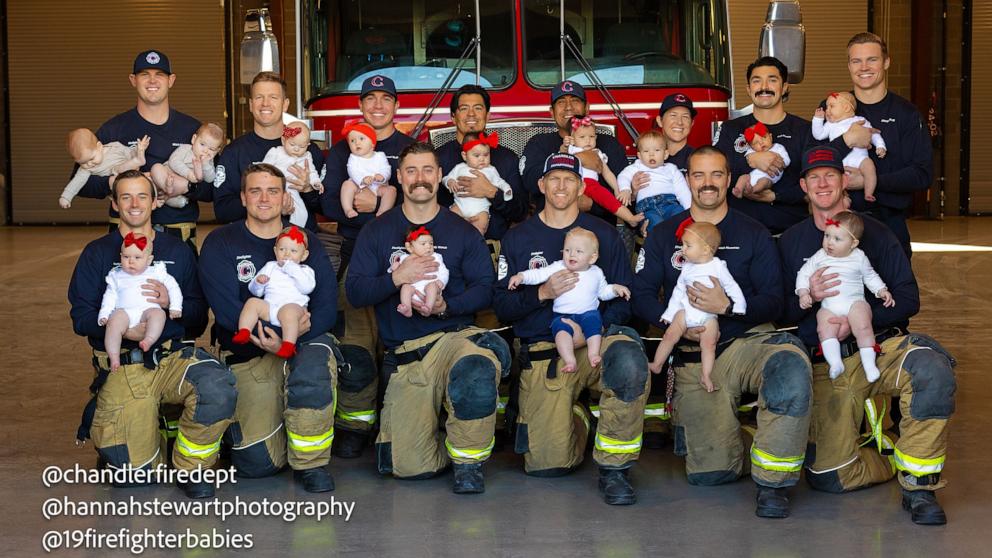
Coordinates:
357	389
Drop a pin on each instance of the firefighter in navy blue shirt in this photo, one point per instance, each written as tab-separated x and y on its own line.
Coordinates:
356	411
272	392
751	356
267	103
125	422
782	205
470	106
568	99
913	366
675	120
152	78
436	355
552	441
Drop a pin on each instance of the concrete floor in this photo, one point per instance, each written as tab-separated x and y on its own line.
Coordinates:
47	370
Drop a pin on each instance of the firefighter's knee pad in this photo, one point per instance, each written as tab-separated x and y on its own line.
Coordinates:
309	382
921	340
711	478
252	462
472	387
933	384
786	384
216	396
625	369
496	344
782	338
358	370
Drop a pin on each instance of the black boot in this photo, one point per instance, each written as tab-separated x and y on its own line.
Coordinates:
349	444
315	480
468	478
923	507
197	490
772	503
615	486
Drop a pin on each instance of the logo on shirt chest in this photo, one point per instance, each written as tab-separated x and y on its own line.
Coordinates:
502	268
677	258
740	144
246	269
537	261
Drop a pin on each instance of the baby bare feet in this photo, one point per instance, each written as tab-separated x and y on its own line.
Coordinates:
594	360
404	309
569	367
351	213
146	344
656	367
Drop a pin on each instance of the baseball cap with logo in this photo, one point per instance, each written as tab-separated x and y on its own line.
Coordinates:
562	161
822	156
378	83
151	60
677	100
567	87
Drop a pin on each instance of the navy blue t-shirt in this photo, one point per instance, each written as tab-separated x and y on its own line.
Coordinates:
681	158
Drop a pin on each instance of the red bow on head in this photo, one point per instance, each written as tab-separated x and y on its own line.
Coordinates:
288	132
578	122
294	233
140	241
492	140
417	233
834	94
758	129
682	227
834	222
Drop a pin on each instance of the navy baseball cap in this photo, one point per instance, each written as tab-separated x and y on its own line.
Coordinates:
378	83
822	156
677	100
567	87
562	161
151	60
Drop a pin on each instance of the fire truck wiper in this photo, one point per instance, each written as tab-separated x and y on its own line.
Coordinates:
446	86
600	86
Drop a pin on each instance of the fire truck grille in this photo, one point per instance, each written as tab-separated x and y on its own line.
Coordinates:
513	135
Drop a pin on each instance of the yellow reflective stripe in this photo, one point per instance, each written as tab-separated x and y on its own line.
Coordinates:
358	416
170	430
501	405
192	449
594	409
473	454
747	408
771	462
610	445
656	411
916	466
319	442
577	410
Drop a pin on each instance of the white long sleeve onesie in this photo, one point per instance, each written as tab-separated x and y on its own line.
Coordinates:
278	158
854	273
591	288
758	174
665	179
114	153
124	292
470	206
691	273
289	283
823	129
441	274
589	173
361	167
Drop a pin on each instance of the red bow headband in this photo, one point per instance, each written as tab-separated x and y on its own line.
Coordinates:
492	140
288	132
758	129
294	233
832	222
361	128
581	122
837	224
682	227
417	233
140	241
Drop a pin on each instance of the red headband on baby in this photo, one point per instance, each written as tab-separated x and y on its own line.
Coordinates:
361	128
682	227
492	140
581	122
758	129
288	132
294	233
417	233
140	241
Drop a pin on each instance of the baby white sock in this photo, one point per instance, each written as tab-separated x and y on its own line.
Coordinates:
831	353
868	363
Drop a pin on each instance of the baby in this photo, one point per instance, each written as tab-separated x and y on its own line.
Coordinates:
125	306
667	194
841	255
759	139
420	242
94	158
295	141
581	304
700	242
583	138
190	163
367	168
284	283
476	150
839	119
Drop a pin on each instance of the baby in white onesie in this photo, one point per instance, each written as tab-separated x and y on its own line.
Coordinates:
476	154
759	139
295	142
94	158
840	255
420	242
367	168
667	193
581	304
191	162
583	138
124	305
284	283
700	242
839	119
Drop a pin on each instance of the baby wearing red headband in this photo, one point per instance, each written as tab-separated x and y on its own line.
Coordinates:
759	139
835	121
476	157
285	284
124	303
367	168
423	293
295	152
840	254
